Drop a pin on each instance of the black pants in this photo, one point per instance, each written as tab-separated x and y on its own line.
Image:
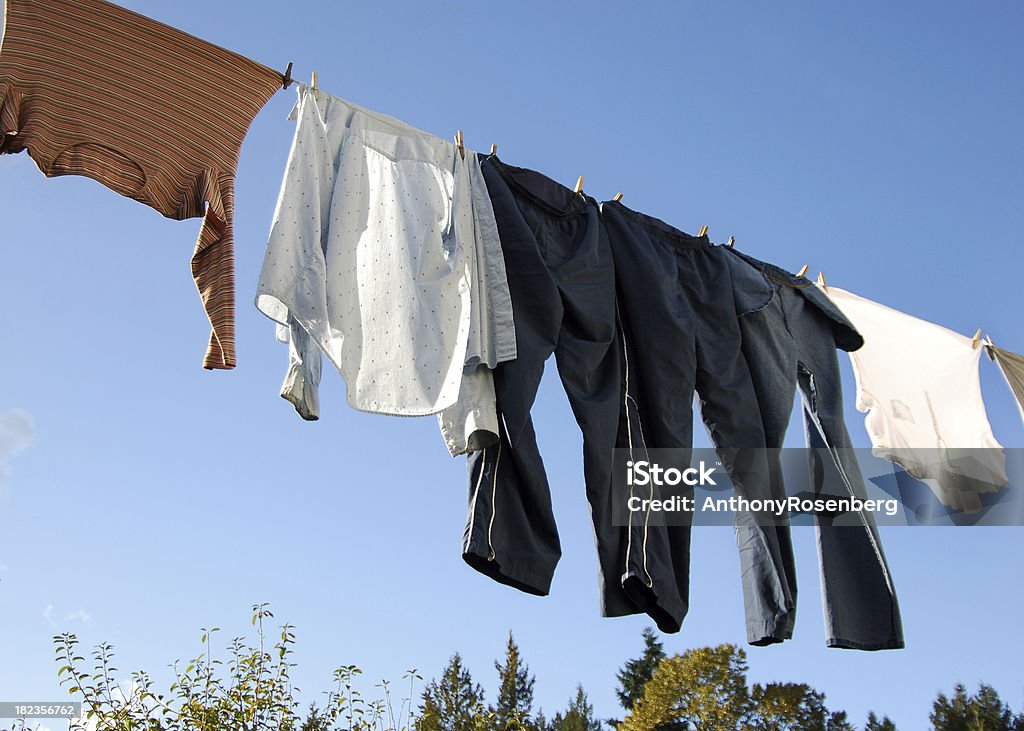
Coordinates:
681	334
562	282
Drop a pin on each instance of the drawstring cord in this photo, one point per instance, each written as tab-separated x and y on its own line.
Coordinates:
494	508
629	435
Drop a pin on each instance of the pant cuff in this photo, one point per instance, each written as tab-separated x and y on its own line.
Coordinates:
530	576
652	600
894	643
762	634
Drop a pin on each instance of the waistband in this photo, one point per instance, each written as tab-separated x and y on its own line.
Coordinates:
845	334
546	194
776	273
659	229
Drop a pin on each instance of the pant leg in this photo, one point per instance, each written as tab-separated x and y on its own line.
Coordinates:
861	608
562	283
658	363
511	534
771	356
657	569
588	356
731	411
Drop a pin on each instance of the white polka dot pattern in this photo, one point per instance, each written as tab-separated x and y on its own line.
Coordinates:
373	260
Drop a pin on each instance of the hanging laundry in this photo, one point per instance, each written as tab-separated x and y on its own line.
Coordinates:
562	281
471	424
1011	365
791	342
918	383
680	335
383	255
90	88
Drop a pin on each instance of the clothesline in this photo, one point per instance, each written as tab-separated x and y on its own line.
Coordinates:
459	141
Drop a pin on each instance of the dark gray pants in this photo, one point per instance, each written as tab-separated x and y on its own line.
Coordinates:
562	282
792	343
680	335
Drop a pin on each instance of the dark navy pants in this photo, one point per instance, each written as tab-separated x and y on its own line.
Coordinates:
562	281
681	335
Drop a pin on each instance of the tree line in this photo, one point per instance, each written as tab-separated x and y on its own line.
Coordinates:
702	689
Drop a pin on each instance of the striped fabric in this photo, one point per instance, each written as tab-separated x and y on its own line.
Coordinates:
90	88
1012	367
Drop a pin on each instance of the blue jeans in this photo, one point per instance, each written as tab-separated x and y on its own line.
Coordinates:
789	343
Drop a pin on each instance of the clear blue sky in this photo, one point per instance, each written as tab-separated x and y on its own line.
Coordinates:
879	143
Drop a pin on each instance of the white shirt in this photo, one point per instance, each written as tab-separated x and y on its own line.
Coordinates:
918	383
372	260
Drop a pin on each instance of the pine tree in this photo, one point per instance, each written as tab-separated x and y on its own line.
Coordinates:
839	721
984	710
315	720
874	724
540	722
579	716
455	703
635	673
514	707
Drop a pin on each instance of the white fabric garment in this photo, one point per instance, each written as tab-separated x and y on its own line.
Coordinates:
383	255
918	383
471	424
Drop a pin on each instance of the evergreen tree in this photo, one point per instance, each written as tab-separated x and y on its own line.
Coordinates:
455	703
874	724
635	674
540	722
579	716
315	720
514	707
839	721
951	714
985	710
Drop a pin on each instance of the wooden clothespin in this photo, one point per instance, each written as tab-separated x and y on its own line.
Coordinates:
313	84
618	197
494	149
462	147
731	242
579	186
703	231
803	270
976	339
821	281
286	77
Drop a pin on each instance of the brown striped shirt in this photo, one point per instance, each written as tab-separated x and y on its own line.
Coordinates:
91	88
